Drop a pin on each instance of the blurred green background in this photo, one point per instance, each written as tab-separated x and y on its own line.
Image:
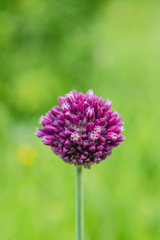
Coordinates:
48	48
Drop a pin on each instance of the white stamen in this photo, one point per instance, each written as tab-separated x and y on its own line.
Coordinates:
122	129
70	95
40	120
90	110
94	135
75	136
97	128
114	136
64	105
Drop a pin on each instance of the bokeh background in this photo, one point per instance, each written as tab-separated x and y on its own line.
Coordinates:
48	48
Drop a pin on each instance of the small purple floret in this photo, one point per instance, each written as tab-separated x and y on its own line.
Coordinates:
83	130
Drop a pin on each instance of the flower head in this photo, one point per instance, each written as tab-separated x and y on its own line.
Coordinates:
82	130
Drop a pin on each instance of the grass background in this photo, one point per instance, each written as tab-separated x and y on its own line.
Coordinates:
48	48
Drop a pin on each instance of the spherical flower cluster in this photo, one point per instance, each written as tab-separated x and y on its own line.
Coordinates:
83	130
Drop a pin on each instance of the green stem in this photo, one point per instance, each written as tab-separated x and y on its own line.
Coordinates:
79	204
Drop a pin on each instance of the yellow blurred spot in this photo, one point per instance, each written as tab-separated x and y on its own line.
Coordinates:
26	154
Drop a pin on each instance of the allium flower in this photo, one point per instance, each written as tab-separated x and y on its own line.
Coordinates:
83	130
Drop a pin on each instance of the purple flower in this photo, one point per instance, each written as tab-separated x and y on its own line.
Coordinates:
83	130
